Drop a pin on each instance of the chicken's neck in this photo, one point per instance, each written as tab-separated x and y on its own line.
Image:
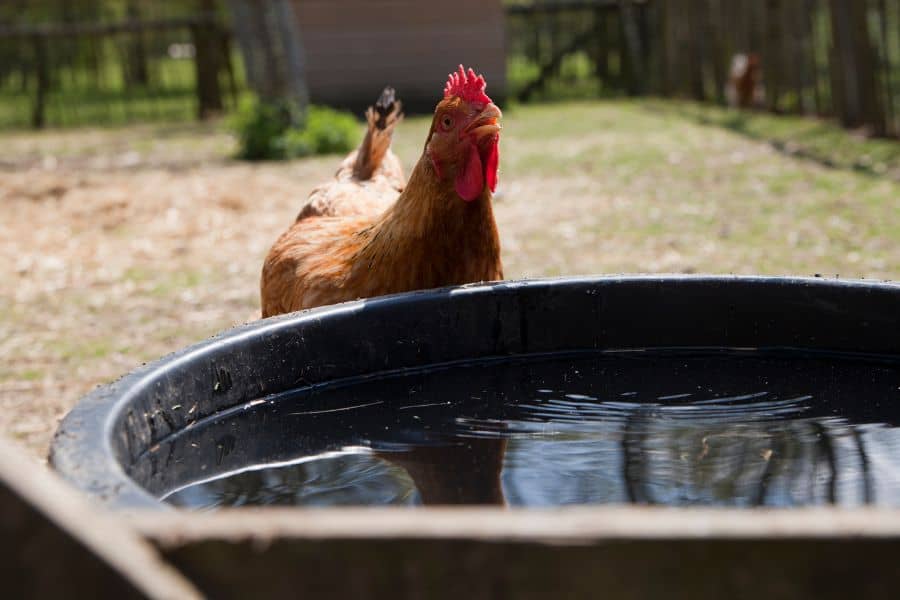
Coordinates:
429	238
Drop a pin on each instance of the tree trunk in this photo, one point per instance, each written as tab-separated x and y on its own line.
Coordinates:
856	81
208	63
295	57
250	34
269	37
885	62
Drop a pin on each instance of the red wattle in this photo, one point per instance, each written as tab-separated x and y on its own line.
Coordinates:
470	179
491	165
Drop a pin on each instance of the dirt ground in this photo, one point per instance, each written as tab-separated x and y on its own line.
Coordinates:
119	246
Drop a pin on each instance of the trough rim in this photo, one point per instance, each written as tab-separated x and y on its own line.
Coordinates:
93	468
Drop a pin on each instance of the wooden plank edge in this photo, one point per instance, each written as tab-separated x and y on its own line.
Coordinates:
52	531
560	526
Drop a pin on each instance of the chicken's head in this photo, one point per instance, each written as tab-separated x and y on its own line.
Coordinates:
464	142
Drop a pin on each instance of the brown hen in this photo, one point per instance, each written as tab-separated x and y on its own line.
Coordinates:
358	238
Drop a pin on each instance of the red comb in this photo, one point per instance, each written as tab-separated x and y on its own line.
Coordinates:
467	86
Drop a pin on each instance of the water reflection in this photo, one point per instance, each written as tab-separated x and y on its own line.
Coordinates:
464	473
718	429
335	479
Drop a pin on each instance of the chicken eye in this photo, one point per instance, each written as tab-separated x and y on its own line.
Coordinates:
447	122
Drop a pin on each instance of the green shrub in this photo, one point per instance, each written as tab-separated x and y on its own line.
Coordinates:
294	143
258	127
274	131
331	131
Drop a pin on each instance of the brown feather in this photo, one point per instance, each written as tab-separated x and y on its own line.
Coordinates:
369	178
428	238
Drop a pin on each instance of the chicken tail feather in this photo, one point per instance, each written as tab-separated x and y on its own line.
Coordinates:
381	119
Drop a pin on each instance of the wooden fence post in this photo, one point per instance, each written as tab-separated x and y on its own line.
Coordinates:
635	52
666	74
772	56
42	69
811	10
697	45
601	47
652	35
715	49
136	70
206	65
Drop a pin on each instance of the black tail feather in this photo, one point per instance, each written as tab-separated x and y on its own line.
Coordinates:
381	119
384	106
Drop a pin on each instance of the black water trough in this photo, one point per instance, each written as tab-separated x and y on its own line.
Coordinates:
789	388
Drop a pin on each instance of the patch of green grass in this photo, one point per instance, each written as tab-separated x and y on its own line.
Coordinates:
77	351
168	284
805	137
31	374
782	183
137	274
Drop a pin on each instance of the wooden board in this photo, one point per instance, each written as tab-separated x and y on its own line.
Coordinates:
495	553
54	545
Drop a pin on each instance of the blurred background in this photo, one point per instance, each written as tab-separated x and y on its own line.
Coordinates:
89	62
151	151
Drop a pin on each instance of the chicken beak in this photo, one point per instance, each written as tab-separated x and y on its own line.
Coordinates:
485	124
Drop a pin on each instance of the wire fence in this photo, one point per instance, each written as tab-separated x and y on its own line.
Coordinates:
102	62
831	58
101	68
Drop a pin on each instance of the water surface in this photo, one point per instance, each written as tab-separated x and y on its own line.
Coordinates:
721	428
